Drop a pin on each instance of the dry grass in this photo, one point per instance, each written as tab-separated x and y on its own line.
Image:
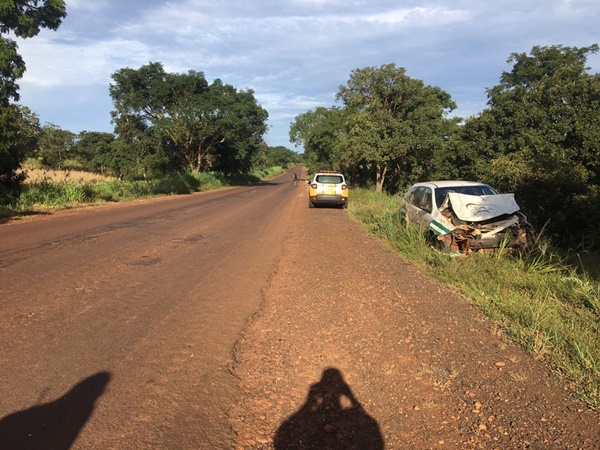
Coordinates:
38	175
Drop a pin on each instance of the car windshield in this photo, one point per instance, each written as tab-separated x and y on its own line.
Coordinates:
329	179
481	189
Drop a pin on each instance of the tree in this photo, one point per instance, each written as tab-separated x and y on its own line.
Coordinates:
281	156
95	150
23	18
141	98
540	138
318	132
395	124
55	146
194	125
20	133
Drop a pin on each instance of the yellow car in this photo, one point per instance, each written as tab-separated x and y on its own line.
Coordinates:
328	187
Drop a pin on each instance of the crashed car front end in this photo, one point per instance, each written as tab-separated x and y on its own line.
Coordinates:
486	223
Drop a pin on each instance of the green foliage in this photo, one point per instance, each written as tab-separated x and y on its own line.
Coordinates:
171	122
48	194
265	173
12	67
395	123
53	194
24	18
540	138
318	133
280	156
55	146
541	303
18	126
96	151
19	131
389	131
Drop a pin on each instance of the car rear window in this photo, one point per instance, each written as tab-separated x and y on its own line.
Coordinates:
440	193
330	179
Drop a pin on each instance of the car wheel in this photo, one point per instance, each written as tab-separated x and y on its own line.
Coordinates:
442	245
311	204
345	206
402	217
437	243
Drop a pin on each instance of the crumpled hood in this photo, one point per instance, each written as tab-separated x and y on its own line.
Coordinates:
477	208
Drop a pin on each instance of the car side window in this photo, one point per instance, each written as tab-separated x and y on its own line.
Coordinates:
423	198
426	200
410	196
416	196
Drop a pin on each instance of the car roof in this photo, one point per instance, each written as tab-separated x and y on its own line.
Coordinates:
449	183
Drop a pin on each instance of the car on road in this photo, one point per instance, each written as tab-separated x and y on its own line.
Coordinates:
328	187
466	216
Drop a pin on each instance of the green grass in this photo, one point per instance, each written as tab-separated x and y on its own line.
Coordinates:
51	192
547	306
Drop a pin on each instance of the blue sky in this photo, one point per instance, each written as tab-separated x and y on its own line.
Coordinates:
294	54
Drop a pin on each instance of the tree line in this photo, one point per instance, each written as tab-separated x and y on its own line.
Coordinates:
538	137
168	123
164	123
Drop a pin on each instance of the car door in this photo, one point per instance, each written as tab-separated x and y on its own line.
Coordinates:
422	204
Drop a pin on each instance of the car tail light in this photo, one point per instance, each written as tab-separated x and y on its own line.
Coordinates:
313	186
344	187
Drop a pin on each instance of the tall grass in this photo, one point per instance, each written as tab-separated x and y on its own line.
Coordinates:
53	194
547	306
56	189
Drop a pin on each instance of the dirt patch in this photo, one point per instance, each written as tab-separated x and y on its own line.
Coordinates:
356	348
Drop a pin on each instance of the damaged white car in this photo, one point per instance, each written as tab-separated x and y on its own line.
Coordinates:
466	216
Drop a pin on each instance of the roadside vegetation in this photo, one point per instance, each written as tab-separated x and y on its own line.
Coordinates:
538	138
45	189
549	307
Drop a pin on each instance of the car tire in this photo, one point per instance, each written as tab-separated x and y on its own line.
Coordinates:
345	206
436	243
311	204
440	245
402	217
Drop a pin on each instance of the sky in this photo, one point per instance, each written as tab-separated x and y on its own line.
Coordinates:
294	54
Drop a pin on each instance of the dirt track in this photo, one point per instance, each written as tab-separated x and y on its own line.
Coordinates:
129	333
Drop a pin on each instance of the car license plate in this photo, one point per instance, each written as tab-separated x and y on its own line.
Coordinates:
329	189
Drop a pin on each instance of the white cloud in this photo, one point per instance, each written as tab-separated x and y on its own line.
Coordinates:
51	63
87	5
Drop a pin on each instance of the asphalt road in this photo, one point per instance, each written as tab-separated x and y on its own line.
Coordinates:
118	323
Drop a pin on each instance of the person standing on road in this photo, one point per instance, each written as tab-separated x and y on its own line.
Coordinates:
295	177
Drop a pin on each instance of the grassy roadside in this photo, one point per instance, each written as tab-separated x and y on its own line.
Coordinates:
47	189
546	306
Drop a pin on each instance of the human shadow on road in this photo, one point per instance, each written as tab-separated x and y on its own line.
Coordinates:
54	425
331	418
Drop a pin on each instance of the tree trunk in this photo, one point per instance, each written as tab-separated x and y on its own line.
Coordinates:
380	176
198	164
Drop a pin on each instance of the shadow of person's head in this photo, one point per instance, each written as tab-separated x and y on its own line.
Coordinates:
331	417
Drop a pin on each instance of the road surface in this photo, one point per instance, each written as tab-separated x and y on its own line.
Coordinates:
118	323
243	320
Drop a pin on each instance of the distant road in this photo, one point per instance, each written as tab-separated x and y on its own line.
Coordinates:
118	323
